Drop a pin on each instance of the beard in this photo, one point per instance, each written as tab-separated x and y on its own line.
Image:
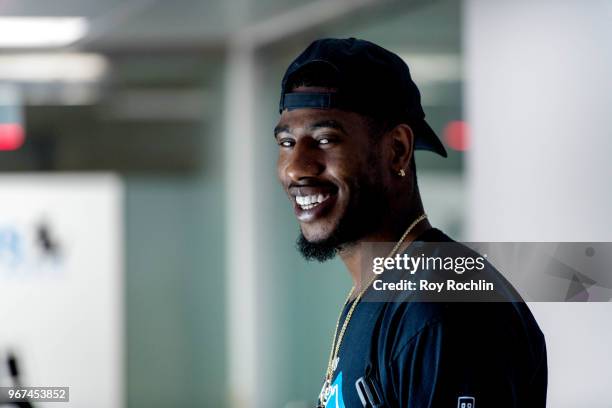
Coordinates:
363	215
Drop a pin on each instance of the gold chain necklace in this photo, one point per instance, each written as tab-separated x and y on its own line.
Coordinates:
332	363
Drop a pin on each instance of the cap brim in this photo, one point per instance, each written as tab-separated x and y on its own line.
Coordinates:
426	138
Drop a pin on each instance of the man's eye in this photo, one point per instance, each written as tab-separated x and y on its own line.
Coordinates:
325	141
286	143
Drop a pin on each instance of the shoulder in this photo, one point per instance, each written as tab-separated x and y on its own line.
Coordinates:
439	351
402	324
499	316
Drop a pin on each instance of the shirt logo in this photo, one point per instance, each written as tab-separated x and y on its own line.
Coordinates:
335	396
466	402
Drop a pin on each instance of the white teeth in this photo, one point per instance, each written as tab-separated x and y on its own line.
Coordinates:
310	201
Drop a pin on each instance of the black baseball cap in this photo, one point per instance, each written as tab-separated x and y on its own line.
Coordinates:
371	80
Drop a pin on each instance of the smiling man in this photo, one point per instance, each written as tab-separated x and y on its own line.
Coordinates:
351	118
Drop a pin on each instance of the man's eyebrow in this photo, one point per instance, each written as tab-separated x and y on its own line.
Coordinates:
279	129
328	123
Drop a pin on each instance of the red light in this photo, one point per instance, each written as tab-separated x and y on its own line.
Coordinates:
11	136
457	136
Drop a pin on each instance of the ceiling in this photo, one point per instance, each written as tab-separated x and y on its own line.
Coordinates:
134	24
161	52
116	23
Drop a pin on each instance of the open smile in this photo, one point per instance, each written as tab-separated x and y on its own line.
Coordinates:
312	202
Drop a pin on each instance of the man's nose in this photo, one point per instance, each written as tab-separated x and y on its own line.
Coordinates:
305	161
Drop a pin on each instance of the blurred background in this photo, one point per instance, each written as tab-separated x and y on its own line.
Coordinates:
146	251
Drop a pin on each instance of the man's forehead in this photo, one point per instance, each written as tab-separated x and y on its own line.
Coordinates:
309	119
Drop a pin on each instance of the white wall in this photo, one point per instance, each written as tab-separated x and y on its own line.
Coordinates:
62	308
538	97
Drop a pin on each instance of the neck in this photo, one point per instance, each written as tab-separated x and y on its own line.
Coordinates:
392	230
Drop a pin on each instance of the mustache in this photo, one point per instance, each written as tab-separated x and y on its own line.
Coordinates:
311	186
311	182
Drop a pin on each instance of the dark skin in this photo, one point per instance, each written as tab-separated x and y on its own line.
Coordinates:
322	150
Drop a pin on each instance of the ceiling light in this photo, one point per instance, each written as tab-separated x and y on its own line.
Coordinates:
47	67
24	32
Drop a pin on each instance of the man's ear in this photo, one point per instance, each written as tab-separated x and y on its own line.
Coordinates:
402	147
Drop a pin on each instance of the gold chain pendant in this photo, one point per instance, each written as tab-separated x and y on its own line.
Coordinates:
324	395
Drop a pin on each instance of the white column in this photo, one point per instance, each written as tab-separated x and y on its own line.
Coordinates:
240	221
538	98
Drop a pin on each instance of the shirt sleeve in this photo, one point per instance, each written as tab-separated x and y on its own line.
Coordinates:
464	365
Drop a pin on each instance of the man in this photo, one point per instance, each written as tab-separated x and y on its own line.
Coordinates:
351	118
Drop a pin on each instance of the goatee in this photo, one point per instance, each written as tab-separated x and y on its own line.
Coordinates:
363	215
